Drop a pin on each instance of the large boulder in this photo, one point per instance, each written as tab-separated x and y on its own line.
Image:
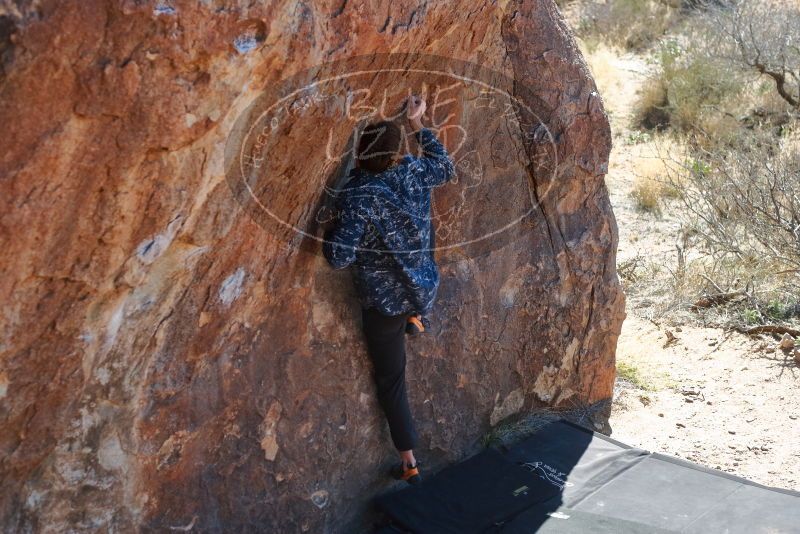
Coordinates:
175	351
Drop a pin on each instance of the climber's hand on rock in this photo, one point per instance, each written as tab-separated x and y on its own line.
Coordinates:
415	108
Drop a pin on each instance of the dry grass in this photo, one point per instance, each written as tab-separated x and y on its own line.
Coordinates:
652	184
700	92
631	374
689	93
671	292
602	63
606	65
790	141
515	429
665	286
646	194
651	108
630	24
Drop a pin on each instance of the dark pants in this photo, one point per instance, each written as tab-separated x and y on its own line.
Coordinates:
386	345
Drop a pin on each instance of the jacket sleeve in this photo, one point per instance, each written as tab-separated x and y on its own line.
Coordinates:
436	166
340	244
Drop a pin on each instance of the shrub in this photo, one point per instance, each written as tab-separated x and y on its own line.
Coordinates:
646	193
759	36
652	185
632	24
651	109
635	137
743	205
732	65
688	92
751	316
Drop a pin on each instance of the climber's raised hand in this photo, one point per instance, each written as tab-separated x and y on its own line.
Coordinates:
415	108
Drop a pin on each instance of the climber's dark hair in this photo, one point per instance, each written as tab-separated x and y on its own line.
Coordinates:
378	146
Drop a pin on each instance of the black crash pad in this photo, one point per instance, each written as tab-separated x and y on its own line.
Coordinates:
468	497
549	518
576	480
681	496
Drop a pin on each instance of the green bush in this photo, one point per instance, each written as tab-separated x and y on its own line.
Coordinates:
751	316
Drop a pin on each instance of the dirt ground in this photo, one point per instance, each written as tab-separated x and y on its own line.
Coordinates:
717	398
710	397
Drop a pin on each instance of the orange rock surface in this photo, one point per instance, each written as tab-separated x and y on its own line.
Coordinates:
170	356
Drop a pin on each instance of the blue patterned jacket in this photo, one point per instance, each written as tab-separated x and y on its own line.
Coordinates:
384	231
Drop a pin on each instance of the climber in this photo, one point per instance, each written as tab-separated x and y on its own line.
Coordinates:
384	232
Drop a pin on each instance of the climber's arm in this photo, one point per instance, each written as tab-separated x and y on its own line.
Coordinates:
341	242
436	165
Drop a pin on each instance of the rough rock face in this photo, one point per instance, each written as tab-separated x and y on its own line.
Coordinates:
171	359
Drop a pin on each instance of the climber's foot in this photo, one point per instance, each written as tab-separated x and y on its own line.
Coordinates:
409	473
416	324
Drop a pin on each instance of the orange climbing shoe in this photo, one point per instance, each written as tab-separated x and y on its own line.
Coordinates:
416	324
410	474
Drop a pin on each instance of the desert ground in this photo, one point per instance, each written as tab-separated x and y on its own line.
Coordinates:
719	398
